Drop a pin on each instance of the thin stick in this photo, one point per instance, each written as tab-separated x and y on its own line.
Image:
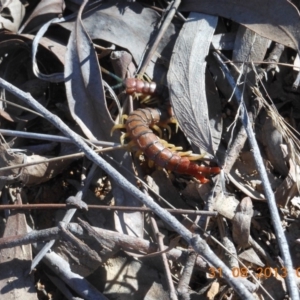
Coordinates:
63	157
261	63
117	239
195	241
50	137
159	36
281	239
183	285
105	207
159	240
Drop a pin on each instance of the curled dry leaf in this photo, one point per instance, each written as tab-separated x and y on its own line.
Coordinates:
11	14
29	175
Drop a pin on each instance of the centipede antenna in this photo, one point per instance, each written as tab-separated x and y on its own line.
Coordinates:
117	86
119	79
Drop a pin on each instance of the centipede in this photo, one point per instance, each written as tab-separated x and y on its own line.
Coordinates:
138	130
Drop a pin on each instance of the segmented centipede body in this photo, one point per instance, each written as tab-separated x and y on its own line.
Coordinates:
137	126
135	85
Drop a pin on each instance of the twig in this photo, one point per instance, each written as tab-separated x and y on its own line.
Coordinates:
159	36
79	245
237	146
226	239
262	252
67	217
64	289
117	239
281	239
159	239
63	157
105	207
197	243
78	283
183	285
50	137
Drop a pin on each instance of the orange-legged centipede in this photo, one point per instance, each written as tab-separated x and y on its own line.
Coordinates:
137	126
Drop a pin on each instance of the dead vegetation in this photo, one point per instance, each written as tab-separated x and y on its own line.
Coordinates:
84	218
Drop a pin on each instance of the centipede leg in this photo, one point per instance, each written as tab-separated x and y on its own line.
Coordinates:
186	153
150	163
166	126
196	156
119	126
201	178
174	121
156	128
123	137
172	147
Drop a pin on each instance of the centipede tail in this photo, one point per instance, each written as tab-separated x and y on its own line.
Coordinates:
137	126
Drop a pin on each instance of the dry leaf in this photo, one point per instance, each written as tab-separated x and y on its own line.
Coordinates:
250	256
134	280
186	79
11	14
130	26
276	20
213	290
244	176
226	206
44	12
15	282
241	222
29	175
